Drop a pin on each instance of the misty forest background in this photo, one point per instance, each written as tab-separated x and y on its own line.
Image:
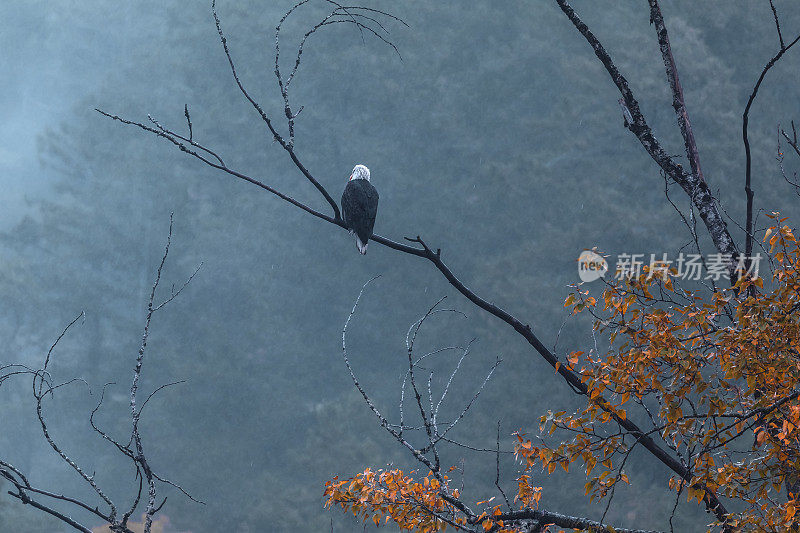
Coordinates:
498	138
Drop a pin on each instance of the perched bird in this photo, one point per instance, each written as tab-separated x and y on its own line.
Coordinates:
359	206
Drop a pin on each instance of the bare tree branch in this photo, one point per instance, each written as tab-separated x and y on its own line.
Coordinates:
696	188
777	24
43	385
514	519
572	522
678	101
745	139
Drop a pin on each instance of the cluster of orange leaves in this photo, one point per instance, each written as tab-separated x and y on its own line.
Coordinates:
423	505
720	375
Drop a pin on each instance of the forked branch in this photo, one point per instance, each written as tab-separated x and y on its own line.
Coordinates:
692	183
43	386
458	514
748	189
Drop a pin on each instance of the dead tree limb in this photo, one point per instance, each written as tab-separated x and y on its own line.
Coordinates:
748	189
678	101
43	387
433	433
693	184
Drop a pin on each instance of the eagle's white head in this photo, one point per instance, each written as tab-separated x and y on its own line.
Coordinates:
360	172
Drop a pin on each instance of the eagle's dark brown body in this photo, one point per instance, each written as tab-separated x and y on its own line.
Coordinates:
359	207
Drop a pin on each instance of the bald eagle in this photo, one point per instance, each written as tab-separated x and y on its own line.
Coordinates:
359	206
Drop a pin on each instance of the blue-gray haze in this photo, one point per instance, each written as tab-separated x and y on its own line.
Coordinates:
497	137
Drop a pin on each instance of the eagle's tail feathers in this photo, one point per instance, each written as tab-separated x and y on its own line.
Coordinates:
362	246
